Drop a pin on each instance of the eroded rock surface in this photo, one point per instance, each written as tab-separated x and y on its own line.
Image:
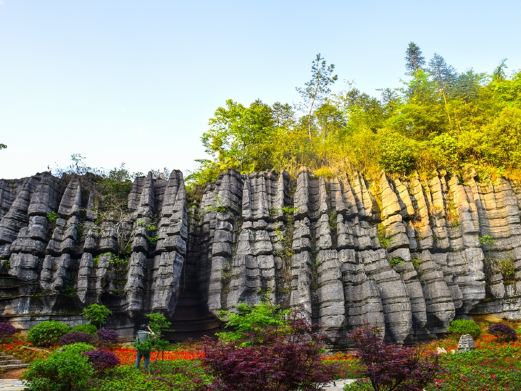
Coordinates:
406	256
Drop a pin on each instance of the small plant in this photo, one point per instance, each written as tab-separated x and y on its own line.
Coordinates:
107	336
503	332
289	210
395	261
332	217
87	328
151	233
76	337
459	327
47	333
384	241
102	360
52	217
97	314
507	268
416	262
486	240
7	330
392	367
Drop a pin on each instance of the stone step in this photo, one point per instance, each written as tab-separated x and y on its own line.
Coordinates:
11	385
10	361
12	366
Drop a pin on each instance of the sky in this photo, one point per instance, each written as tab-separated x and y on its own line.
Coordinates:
135	82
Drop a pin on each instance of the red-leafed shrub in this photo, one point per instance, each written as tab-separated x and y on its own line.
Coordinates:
76	337
102	360
288	359
7	330
390	366
107	336
503	332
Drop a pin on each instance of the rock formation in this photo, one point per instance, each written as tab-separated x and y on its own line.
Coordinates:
406	256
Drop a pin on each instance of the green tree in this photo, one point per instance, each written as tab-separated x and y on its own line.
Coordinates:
239	136
97	314
414	60
3	146
316	90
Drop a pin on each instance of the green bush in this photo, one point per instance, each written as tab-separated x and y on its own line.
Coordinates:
87	328
97	314
47	333
459	327
247	325
76	348
66	369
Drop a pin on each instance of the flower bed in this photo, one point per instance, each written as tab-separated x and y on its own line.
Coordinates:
128	355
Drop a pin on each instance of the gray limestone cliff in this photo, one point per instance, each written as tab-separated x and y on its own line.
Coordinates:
407	256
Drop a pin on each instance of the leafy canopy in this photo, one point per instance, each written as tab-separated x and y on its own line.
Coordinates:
438	119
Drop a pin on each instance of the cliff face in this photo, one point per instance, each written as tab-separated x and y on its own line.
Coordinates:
405	256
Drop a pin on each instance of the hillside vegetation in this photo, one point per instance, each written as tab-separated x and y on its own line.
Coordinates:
439	119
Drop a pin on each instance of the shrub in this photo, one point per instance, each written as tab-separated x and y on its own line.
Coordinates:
459	327
284	361
158	322
76	348
47	333
97	314
63	370
107	336
76	337
87	328
7	330
390	366
102	360
503	332
248	325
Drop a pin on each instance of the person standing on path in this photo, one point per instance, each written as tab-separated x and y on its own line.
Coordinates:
143	345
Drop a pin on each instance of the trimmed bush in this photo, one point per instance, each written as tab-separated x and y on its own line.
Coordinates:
503	332
77	348
66	369
7	330
102	360
47	333
459	327
76	337
107	336
87	328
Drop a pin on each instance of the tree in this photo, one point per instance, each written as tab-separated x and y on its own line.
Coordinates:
392	367
319	87
97	314
239	136
441	72
414	59
3	146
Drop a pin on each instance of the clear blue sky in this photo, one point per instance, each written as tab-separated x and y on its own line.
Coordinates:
136	81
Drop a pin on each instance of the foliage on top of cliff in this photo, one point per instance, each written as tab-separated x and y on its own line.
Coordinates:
439	119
